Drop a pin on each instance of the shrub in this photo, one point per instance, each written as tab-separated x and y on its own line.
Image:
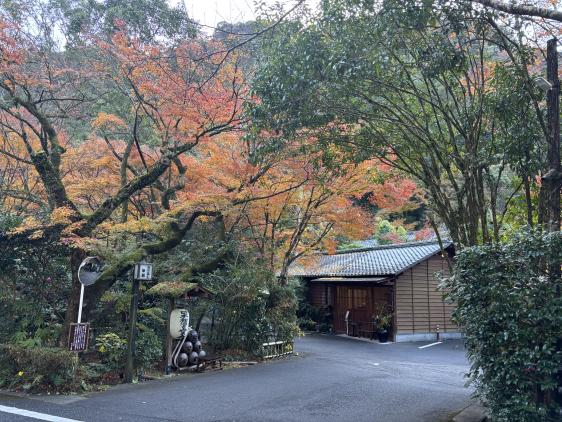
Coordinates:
382	317
250	308
512	317
112	349
309	316
148	349
307	324
38	369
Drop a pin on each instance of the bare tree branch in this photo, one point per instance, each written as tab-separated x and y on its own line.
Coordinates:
522	9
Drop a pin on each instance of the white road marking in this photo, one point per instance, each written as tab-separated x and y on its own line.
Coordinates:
374	363
429	345
35	415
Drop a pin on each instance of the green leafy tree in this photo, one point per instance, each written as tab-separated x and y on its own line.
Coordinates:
149	20
422	88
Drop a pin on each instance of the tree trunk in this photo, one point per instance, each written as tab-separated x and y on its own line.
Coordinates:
542	209
528	201
552	182
552	178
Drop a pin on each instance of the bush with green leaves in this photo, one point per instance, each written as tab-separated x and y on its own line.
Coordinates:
309	316
307	324
39	369
33	295
250	307
112	348
149	349
512	316
33	291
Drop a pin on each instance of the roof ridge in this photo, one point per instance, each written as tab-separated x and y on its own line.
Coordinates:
446	243
384	261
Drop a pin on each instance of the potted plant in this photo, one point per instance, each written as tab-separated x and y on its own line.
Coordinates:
382	320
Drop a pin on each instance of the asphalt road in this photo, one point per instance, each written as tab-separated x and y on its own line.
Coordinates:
332	379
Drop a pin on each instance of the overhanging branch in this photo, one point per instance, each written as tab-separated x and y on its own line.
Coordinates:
126	262
522	9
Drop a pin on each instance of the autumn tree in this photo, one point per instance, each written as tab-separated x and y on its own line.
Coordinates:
162	101
284	203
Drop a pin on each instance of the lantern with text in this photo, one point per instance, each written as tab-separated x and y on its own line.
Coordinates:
143	271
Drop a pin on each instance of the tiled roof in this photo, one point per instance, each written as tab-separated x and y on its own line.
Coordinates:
375	261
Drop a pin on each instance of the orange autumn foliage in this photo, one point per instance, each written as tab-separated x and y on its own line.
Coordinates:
182	105
297	205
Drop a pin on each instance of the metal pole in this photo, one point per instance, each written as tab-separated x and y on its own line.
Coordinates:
80	304
130	365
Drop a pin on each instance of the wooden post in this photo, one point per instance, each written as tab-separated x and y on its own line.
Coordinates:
130	365
168	369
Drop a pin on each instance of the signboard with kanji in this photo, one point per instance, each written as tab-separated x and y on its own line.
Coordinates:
78	337
179	323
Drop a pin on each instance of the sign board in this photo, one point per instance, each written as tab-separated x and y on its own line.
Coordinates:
143	271
179	323
78	337
90	270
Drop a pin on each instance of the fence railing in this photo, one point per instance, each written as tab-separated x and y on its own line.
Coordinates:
276	349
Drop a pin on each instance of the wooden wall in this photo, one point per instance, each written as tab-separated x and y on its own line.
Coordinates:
419	304
317	294
361	301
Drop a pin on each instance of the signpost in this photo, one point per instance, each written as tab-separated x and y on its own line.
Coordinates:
142	271
88	272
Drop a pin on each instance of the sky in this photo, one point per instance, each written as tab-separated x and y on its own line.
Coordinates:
211	12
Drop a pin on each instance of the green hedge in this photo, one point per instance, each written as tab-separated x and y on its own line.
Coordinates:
512	317
38	369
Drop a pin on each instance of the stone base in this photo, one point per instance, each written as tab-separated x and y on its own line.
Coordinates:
405	337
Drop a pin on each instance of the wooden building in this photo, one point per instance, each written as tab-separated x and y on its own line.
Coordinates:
405	277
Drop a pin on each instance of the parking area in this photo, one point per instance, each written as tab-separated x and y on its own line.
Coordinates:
331	379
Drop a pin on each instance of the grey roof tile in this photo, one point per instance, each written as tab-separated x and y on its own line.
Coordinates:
374	261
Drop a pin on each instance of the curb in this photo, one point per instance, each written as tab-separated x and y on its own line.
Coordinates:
474	412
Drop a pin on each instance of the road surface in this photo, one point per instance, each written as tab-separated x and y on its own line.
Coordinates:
331	379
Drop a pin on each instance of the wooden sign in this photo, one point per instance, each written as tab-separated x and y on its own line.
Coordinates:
78	337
